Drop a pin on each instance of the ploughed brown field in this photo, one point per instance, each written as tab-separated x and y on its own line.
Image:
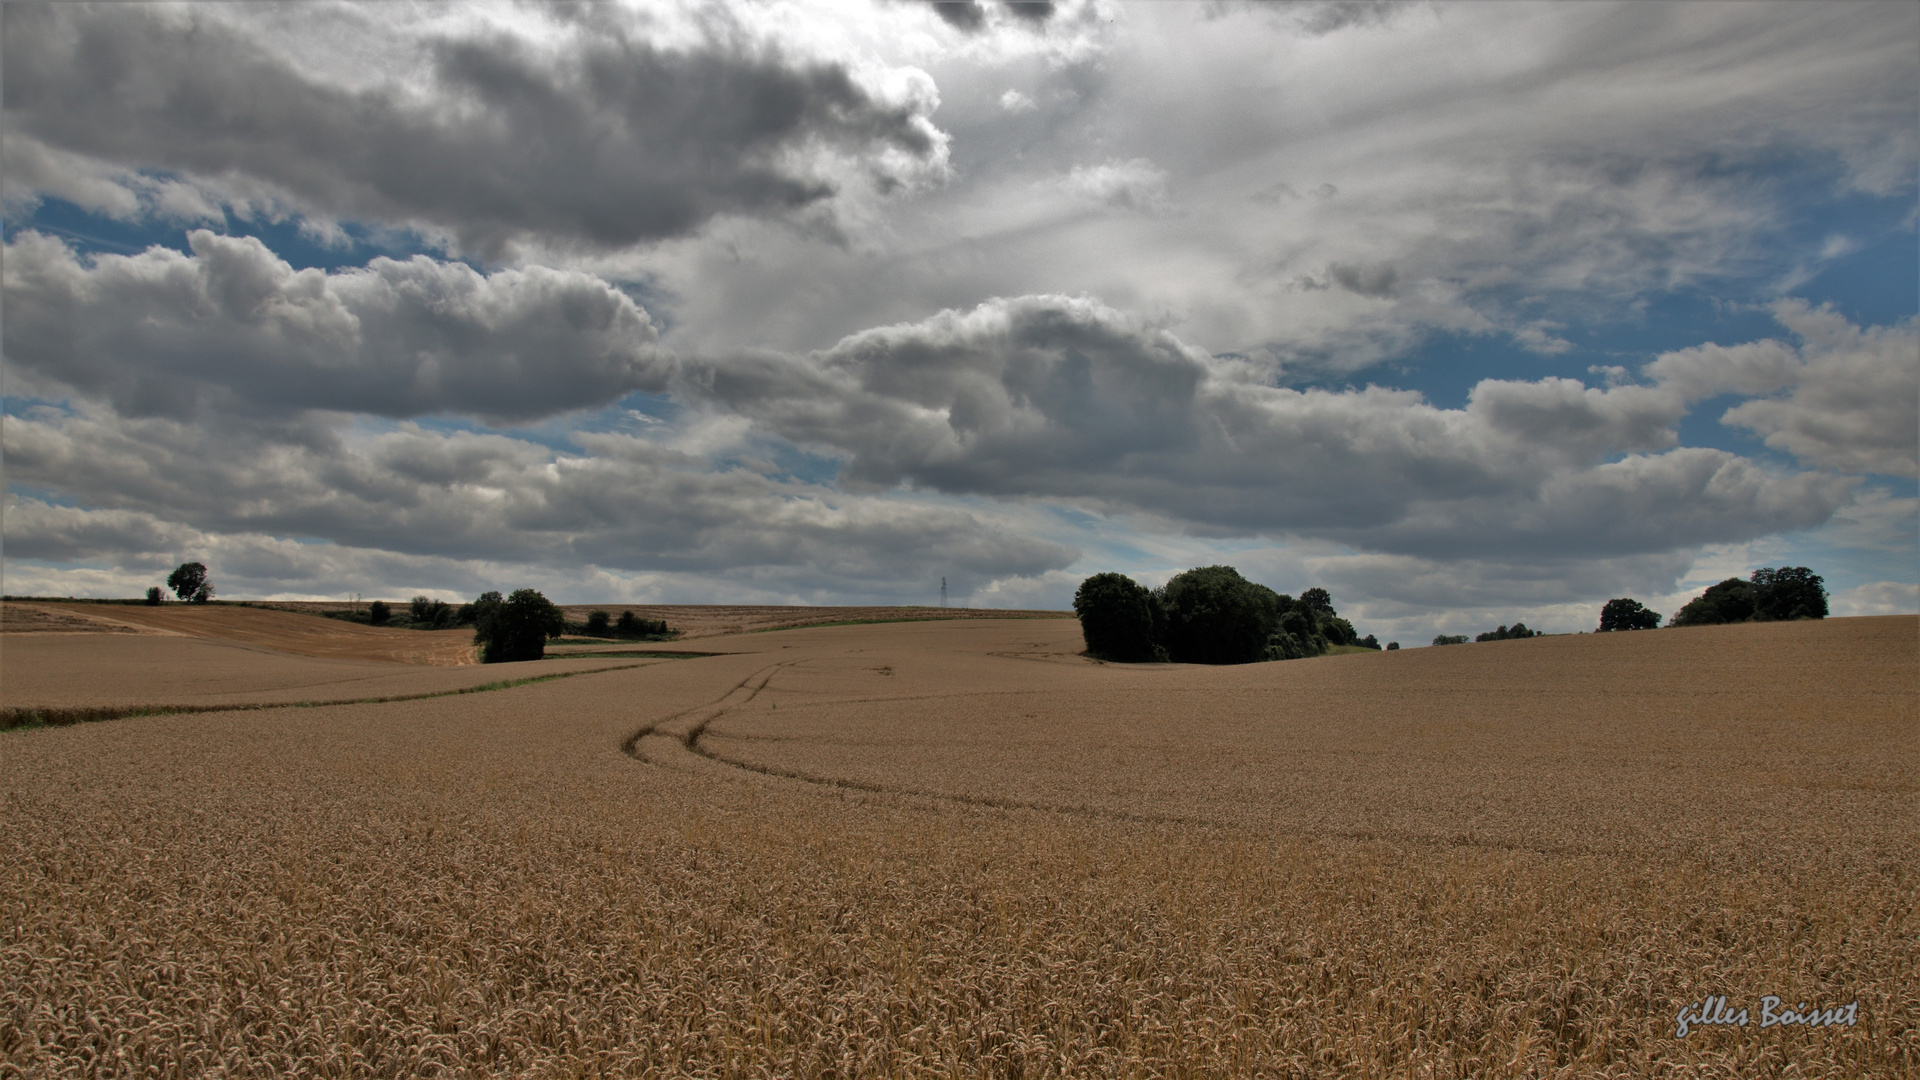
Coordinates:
959	848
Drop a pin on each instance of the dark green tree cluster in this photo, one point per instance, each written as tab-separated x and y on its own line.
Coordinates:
421	613
1207	615
1450	639
426	613
601	624
1626	613
1508	633
630	625
1771	594
515	627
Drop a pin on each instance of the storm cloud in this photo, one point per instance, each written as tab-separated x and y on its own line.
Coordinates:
588	134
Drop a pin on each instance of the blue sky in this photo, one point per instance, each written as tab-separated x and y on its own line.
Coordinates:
1469	313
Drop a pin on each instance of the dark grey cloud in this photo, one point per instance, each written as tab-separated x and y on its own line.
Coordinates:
230	329
971	15
604	140
966	15
1034	12
1060	398
622	504
1375	281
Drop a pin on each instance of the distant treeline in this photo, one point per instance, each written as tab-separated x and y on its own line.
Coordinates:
1208	615
427	613
1504	633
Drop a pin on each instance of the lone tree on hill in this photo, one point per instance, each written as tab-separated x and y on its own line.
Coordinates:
189	582
1118	617
378	613
1624	613
516	628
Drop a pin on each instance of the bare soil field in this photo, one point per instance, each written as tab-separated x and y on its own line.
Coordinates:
961	849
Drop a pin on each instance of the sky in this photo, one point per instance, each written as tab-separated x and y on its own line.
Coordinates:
1468	313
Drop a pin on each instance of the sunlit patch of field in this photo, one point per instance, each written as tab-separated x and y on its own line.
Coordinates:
962	849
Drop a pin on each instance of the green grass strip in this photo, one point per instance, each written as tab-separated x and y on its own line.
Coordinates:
17	719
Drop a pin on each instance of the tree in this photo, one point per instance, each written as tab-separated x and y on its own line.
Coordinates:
516	628
1370	642
597	623
1788	592
189	582
482	613
378	613
1215	616
426	611
430	614
1450	639
1625	613
1393	646
1118	618
154	596
1728	602
1508	633
630	626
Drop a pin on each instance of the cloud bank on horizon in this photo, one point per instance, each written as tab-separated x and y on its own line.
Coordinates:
1469	313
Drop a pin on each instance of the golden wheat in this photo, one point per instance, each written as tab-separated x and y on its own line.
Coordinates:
961	850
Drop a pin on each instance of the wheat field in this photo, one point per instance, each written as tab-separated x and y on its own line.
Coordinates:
961	849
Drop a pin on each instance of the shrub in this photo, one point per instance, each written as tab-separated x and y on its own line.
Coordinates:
631	626
1788	592
1215	616
598	623
1625	613
154	596
378	613
515	628
429	613
1119	618
1393	646
1450	639
1298	631
189	582
1508	633
1370	642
